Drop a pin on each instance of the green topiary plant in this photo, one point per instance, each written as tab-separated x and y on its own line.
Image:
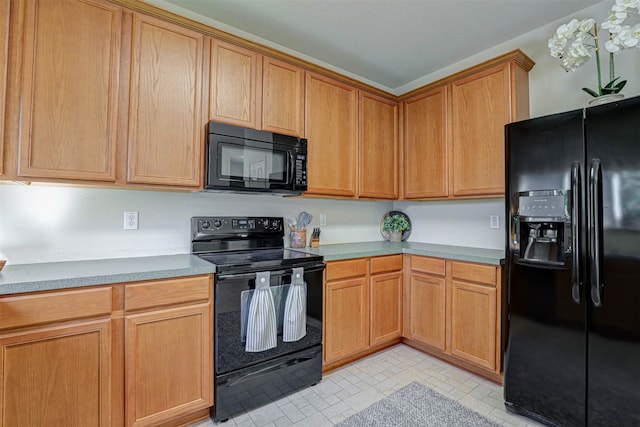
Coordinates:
395	223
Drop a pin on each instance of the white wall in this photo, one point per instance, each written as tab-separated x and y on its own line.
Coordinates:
551	90
48	223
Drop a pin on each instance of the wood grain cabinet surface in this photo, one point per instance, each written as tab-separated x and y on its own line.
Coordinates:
346	319
166	125
425	301
4	55
386	299
251	90
377	147
168	349
453	310
331	121
69	89
454	129
56	359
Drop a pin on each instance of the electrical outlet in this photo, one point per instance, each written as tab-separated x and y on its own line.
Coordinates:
494	221
131	220
323	219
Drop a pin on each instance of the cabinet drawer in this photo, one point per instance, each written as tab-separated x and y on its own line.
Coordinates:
478	273
428	265
386	263
348	268
166	292
54	307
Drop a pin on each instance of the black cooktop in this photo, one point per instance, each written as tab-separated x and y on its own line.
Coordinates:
259	259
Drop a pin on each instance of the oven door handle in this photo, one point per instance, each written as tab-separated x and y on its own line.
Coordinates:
239	276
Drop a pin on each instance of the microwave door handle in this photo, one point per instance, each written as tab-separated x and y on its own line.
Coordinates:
292	165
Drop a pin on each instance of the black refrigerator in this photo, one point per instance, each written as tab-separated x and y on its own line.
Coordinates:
572	354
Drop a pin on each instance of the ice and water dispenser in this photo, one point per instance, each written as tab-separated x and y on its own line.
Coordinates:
543	226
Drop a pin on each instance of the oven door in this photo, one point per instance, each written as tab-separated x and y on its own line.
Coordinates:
233	294
249	165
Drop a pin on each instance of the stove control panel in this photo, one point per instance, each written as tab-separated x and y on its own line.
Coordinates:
213	225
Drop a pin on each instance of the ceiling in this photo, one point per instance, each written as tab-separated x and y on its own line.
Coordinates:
390	43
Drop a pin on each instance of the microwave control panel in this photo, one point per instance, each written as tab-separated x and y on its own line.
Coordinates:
301	170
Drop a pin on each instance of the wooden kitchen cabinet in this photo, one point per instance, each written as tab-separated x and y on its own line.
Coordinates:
256	91
331	122
70	56
56	358
454	129
166	123
426	168
282	97
168	349
378	147
425	298
234	84
4	52
386	299
474	323
346	319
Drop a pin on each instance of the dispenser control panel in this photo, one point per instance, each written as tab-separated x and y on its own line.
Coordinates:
544	205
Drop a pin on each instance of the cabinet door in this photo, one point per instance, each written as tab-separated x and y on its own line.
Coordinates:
473	323
71	57
346	321
425	153
166	127
4	41
378	148
481	108
56	376
168	359
235	75
386	307
282	97
332	130
427	310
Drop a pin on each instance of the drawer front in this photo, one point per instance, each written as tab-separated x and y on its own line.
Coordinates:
382	264
428	265
51	307
479	273
347	268
138	296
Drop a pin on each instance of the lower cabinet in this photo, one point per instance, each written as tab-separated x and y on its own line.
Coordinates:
346	318
363	306
55	359
168	349
454	310
426	301
64	354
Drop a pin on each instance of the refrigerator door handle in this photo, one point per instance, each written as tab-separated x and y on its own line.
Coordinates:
595	226
576	184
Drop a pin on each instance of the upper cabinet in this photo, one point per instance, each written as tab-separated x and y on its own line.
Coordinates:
332	130
378	148
251	90
166	124
4	42
425	151
70	65
282	97
454	129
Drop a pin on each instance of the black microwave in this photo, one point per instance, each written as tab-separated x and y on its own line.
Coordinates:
247	160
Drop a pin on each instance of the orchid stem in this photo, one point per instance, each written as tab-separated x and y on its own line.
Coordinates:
595	38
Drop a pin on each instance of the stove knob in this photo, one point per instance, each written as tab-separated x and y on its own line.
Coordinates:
217	223
275	224
265	223
205	225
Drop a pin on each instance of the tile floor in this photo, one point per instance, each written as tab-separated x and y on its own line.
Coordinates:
351	388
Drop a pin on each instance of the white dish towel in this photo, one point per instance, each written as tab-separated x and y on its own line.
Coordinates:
294	325
262	328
